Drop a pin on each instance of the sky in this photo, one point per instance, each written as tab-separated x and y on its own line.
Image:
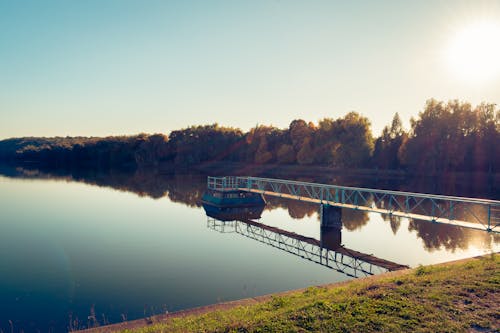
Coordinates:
113	67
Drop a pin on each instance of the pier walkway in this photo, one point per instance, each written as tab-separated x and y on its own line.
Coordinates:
465	212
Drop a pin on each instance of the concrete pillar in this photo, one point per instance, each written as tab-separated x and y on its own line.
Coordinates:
331	238
331	227
331	216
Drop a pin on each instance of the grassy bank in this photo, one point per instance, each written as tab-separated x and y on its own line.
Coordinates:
454	297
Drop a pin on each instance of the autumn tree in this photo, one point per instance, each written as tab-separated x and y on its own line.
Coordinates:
305	156
355	141
286	154
325	142
261	143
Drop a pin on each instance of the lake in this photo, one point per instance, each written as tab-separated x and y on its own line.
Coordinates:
86	249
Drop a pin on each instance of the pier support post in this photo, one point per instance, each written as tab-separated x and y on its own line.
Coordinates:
331	216
331	227
331	238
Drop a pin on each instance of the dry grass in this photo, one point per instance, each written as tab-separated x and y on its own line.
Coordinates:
455	297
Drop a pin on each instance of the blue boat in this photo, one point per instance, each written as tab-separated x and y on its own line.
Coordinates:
234	213
232	198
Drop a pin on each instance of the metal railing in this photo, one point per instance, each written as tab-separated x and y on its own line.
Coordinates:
466	212
226	183
339	261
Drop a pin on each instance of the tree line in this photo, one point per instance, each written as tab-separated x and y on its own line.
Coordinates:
452	136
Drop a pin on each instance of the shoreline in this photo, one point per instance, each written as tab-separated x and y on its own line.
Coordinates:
165	319
467	184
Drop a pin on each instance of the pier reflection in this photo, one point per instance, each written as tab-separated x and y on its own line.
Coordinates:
328	251
187	189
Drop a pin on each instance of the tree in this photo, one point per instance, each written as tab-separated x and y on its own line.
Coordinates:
387	146
355	141
451	137
396	127
152	149
305	156
299	131
263	155
263	143
324	142
286	154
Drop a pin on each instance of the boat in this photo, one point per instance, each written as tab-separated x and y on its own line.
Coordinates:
234	213
232	198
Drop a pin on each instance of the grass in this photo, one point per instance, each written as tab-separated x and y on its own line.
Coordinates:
455	297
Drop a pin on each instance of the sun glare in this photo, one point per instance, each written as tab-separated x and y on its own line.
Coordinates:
473	54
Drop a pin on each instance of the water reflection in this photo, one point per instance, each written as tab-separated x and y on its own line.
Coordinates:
182	188
437	236
394	222
189	188
233	213
351	219
328	251
70	252
296	209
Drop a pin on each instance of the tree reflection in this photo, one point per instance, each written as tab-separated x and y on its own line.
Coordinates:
296	209
394	222
354	219
437	235
182	188
299	210
189	188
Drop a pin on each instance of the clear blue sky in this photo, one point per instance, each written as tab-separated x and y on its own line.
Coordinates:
102	67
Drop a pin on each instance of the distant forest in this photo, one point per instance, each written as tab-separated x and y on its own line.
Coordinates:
445	137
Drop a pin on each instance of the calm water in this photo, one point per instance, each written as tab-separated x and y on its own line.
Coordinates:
71	251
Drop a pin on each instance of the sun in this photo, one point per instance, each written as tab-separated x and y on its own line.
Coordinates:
473	53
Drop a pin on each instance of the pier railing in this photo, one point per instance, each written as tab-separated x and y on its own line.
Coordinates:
466	212
226	183
348	262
